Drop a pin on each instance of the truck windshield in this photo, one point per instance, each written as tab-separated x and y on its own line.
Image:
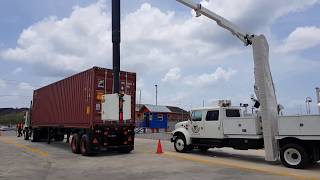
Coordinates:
232	113
196	116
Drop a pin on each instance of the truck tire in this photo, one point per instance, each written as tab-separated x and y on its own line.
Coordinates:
294	156
180	144
75	144
86	146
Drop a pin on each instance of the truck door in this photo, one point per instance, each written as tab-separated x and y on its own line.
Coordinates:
197	129
212	125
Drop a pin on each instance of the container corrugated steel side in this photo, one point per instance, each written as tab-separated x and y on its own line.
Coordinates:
74	102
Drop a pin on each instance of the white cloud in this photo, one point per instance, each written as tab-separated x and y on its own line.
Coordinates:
3	84
140	84
25	86
172	75
302	38
151	37
220	75
17	70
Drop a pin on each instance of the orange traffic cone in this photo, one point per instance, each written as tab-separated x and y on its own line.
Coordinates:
159	148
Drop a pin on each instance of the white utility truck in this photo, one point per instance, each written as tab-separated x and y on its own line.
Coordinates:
226	126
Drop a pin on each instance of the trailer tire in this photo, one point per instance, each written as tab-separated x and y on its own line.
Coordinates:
75	144
294	156
86	146
180	144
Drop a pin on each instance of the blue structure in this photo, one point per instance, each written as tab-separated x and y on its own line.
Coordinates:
155	117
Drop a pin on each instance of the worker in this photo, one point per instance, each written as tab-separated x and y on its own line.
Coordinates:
20	128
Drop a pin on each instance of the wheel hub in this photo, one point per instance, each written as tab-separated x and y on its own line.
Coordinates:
180	144
292	156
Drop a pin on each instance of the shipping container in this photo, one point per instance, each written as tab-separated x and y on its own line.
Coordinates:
74	106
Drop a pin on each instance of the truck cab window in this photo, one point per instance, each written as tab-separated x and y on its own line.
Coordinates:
232	113
196	116
212	115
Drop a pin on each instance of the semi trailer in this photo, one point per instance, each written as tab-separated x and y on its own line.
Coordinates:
83	106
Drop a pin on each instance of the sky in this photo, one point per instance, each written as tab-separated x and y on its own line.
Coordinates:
192	60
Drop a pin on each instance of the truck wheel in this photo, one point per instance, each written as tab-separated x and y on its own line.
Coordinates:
180	144
294	156
75	144
85	145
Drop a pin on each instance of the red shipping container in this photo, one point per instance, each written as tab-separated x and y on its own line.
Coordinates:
75	102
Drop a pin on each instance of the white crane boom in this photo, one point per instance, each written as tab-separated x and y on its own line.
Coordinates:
246	38
264	87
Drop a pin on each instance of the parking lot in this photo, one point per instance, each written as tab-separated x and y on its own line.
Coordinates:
26	160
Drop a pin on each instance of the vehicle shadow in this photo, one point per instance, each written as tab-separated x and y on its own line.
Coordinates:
237	155
64	147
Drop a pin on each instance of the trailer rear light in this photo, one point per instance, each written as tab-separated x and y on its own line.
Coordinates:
125	132
129	138
126	142
95	141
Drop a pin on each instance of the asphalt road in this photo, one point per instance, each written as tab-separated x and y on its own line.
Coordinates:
26	160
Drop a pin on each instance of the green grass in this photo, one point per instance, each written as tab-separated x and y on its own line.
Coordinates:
12	118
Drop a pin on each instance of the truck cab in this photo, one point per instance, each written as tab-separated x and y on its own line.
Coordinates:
220	126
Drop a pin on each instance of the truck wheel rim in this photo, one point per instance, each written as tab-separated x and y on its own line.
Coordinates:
292	156
180	144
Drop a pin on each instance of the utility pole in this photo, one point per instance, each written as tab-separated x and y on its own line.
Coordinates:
140	96
156	94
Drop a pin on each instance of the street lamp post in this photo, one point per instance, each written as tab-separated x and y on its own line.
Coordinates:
156	94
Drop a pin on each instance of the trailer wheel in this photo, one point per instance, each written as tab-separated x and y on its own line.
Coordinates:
294	156
75	144
85	146
180	144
